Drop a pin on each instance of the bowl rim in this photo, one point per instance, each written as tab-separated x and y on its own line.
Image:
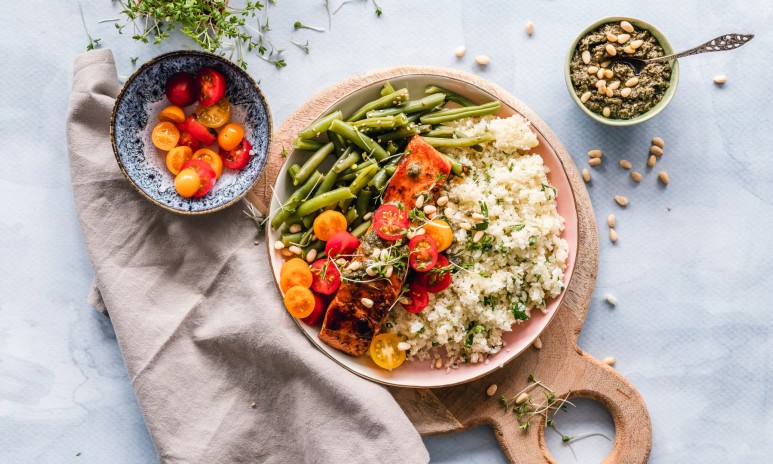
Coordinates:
667	48
226	62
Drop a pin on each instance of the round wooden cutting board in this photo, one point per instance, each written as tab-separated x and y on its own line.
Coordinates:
560	364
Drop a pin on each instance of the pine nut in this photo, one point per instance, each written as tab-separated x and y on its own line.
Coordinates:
585	97
353	266
384	255
608	73
460	50
340	261
367	216
491	389
594	161
438	363
311	255
420	231
431	216
609	360
720	79
295	228
610	93
376	253
611	49
622	201
629	49
611	299
449	212
625	164
623	38
600	73
522	398
611	38
477	237
627	27
602	91
296	250
403	346
537	343
405	301
663	176
636	44
465	225
371	271
626	92
595	153
651	161
389	270
367	302
586	175
593	69
606	112
635	176
478	216
613	235
601	83
420	201
614	85
286	253
278	245
611	220
658	142
442	201
530	28
632	82
656	150
482	60
429	209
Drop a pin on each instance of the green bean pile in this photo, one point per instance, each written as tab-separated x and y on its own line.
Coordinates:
367	147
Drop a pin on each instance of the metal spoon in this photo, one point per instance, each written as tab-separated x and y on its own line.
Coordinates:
723	42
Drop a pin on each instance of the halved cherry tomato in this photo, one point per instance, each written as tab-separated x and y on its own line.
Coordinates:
341	243
325	276
390	221
176	157
181	89
216	115
328	223
230	136
211	86
206	176
441	232
186	139
238	157
423	253
292	262
201	133
187	183
173	114
299	301
319	311
438	278
165	136
417	297
295	275
205	154
384	351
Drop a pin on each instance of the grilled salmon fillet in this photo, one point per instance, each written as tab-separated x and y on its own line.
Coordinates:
349	325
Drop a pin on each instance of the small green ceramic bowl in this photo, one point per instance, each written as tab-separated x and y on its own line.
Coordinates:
667	48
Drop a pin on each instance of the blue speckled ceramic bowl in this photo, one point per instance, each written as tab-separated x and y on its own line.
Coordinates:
135	115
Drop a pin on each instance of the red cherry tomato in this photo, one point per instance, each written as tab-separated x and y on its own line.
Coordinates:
186	139
200	132
417	296
438	278
423	253
211	86
238	157
206	175
341	243
318	313
325	276
390	221
181	89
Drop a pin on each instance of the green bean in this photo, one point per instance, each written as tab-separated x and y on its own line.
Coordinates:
291	239
360	230
327	182
459	113
386	122
351	215
313	163
359	183
338	142
390	169
440	131
352	173
295	200
347	160
412	106
293	170
456	166
363	200
462	142
304	144
320	125
389	100
379	179
387	89
306	238
308	220
392	147
360	166
359	139
413	117
321	201
450	96
403	132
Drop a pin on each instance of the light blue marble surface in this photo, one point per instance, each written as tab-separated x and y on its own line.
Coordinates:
692	330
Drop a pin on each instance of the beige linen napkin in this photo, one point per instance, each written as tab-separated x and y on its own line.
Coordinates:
202	328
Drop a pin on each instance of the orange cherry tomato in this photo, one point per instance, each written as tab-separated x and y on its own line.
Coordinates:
176	157
187	183
299	301
173	114
441	232
216	115
296	276
214	160
290	263
165	136
384	351
328	223
230	136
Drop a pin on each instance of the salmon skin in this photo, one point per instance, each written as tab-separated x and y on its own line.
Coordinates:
349	325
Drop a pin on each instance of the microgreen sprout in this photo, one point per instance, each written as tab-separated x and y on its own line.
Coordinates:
93	42
256	216
305	48
300	25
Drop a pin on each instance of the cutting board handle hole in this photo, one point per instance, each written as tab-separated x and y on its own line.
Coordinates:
587	417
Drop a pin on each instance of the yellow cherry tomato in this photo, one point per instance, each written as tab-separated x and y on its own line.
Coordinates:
384	351
299	301
230	136
211	158
187	183
216	115
165	136
176	157
173	114
439	230
295	276
328	223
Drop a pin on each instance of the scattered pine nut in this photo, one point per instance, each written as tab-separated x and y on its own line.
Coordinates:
586	175
629	49
625	164
651	161
610	93
530	28
296	250
656	150
311	255
420	201
611	299
367	216
658	142
632	82
614	85
594	161
609	360
611	38
611	49
438	363
253	405
601	83
586	57
278	245
720	79
460	50
389	270
522	398
295	228
636	44
600	73
585	97
627	27
477	237
593	69
613	235
367	302
420	231
491	390
663	176
442	201
537	343
286	253
623	38
635	176
465	225
478	216
606	112
621	200
371	271
429	209
611	220
608	73
595	153
482	60
626	92
403	346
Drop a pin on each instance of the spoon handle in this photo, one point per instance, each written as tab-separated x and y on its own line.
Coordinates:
721	43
